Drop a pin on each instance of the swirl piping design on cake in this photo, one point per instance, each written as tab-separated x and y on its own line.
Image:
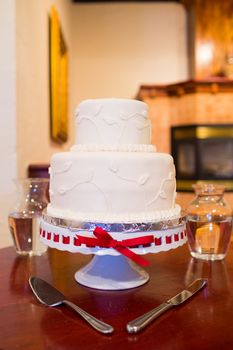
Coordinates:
113	173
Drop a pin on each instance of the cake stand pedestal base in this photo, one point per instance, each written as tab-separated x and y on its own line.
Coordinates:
111	273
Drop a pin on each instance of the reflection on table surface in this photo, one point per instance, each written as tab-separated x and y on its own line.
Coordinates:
203	322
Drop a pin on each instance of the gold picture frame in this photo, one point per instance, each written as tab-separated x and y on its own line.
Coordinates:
58	71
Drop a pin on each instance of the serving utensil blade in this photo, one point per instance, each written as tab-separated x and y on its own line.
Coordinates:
50	296
142	321
45	292
188	292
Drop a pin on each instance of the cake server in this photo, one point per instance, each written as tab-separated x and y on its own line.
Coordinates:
50	296
142	321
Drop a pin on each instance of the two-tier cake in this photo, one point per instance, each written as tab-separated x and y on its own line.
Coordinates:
113	195
113	173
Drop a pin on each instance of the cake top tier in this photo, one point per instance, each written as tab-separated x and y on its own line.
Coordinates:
112	122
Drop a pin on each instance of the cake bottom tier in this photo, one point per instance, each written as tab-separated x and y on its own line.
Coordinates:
113	186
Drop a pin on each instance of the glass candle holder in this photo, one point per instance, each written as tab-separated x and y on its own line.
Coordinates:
24	217
209	223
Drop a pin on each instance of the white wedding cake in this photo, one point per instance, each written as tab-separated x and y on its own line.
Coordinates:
113	174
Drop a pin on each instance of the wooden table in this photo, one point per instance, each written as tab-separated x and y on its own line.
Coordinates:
203	322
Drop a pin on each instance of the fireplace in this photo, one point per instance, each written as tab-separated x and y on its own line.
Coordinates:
203	153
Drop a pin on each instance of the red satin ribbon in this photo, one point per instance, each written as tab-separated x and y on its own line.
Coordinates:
103	239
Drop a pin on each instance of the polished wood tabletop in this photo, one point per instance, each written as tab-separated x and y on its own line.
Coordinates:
203	322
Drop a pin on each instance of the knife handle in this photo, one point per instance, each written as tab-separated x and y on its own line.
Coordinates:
142	321
100	326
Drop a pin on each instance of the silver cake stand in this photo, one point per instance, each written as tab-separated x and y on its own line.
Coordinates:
110	269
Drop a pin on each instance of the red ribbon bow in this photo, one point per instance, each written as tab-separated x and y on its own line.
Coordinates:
105	240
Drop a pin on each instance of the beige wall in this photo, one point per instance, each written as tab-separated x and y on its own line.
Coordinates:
32	53
25	93
7	114
119	46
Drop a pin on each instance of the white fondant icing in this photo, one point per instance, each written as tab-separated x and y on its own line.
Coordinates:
143	179
161	192
66	167
129	182
116	122
113	173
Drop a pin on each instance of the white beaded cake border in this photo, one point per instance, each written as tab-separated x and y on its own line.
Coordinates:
127	218
113	148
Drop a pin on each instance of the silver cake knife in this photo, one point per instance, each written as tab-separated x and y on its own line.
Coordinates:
50	296
141	322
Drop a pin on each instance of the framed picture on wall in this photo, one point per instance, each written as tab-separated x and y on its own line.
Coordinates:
58	74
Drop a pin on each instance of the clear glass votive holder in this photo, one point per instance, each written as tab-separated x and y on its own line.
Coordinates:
209	223
24	217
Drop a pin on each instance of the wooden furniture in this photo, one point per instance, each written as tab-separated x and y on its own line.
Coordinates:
210	34
190	102
203	322
38	170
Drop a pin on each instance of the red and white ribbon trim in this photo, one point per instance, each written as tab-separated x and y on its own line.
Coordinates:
104	239
76	241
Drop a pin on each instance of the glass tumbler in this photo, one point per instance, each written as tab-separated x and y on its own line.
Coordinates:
24	218
209	223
